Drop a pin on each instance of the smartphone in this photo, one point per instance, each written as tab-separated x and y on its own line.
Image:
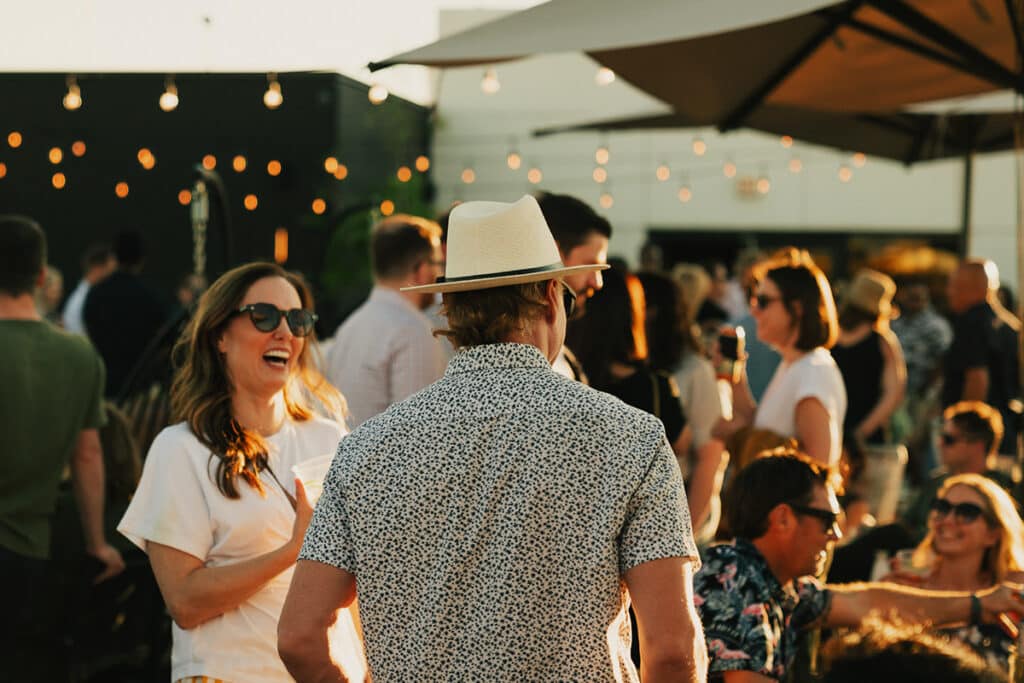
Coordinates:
730	347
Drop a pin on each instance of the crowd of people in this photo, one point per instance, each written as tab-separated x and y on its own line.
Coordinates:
544	467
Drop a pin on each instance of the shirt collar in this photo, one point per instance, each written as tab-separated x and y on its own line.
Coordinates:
771	584
389	296
497	356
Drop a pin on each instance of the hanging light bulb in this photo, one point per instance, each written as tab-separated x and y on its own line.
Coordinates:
490	83
845	173
534	175
169	98
273	98
602	155
73	99
763	185
604	76
729	169
513	160
699	147
786	141
377	94
859	159
795	165
468	175
663	172
685	194
600	175
606	200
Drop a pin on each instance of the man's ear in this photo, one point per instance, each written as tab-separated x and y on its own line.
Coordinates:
41	277
553	294
780	519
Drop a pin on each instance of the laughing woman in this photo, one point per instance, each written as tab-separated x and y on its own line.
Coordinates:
216	510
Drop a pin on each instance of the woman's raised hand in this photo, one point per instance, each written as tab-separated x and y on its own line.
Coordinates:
303	515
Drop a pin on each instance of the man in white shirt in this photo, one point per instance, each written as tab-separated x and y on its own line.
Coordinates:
97	262
582	238
385	351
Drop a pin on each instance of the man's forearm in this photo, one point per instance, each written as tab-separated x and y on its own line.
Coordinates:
87	478
851	604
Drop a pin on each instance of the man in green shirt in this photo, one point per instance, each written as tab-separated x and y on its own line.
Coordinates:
51	406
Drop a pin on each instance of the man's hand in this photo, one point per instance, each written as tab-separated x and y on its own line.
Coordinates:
1006	597
113	563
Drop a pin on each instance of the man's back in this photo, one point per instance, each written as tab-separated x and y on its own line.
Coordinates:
490	517
382	353
122	316
52	389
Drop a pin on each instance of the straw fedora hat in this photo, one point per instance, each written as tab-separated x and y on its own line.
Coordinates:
493	244
871	292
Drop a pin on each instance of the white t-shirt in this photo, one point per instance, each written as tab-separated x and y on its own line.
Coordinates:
813	375
178	504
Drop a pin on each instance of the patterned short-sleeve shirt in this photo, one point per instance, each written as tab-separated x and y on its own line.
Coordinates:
489	519
750	620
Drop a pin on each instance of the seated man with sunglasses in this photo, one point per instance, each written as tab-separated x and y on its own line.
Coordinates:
756	594
492	520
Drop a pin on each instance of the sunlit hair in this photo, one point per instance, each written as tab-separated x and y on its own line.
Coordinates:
491	316
999	512
977	421
670	334
611	330
806	294
201	392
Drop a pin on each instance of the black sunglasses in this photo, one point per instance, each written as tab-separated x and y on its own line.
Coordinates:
569	299
763	301
266	318
826	517
965	513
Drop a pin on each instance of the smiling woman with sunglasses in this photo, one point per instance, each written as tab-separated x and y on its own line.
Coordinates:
217	509
975	541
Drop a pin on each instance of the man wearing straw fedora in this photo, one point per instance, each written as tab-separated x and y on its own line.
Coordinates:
493	521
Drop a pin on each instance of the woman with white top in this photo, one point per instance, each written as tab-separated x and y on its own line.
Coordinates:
806	399
217	509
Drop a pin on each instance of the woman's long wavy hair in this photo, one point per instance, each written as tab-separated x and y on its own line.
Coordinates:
1006	556
201	391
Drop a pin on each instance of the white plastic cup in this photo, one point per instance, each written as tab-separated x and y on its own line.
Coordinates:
311	473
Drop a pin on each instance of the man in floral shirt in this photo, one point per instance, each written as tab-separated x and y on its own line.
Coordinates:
756	594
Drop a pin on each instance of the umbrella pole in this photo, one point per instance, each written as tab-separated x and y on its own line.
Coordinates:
965	219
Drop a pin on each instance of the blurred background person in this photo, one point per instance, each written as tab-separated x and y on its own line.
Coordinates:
674	348
975	541
49	295
217	511
97	263
805	399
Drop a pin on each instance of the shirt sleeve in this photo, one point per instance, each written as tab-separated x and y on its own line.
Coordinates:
328	538
735	638
170	506
657	523
96	415
814	601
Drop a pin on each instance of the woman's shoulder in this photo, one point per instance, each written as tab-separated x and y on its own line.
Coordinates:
318	425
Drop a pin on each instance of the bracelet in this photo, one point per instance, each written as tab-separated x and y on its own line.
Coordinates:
975	609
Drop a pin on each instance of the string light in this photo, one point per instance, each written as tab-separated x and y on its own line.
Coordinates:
56	155
273	98
121	190
795	165
273	168
209	162
604	76
763	185
377	93
250	202
602	155
72	100
699	147
845	173
341	172
281	245
404	174
185	197
685	194
859	159
330	164
59	181
786	141
729	169
14	139
600	175
663	172
514	160
78	148
319	206
146	159
534	175
422	163
387	207
3	169
169	98
490	83
468	175
239	163
606	200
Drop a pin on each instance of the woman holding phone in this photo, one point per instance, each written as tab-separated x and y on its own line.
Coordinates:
805	400
216	510
975	541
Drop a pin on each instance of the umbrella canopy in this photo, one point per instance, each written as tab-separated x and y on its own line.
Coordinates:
908	137
716	62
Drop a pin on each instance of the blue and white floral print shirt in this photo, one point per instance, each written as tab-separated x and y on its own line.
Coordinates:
750	620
